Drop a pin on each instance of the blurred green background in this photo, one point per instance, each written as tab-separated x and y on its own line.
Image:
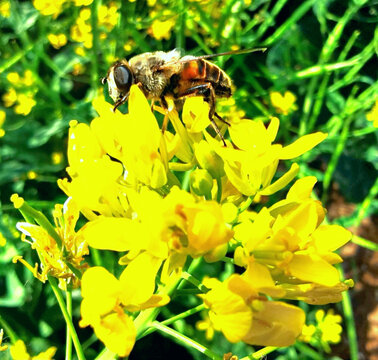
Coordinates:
318	74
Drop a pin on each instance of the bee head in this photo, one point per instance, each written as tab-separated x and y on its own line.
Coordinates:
119	79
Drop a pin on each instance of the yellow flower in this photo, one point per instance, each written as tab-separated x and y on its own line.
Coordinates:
49	7
161	29
81	31
13	78
135	139
240	313
2	120
53	260
25	104
3	241
18	352
10	97
372	115
289	240
57	40
5	8
251	166
108	16
206	325
283	104
105	298
83	2
329	326
56	157
31	175
308	332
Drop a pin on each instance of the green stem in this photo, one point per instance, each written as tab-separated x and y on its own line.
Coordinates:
219	190
261	353
68	333
171	320
190	278
94	54
350	323
67	317
8	330
367	244
187	342
364	207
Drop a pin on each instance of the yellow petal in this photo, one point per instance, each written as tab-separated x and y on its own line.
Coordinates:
117	234
138	279
301	189
282	181
302	145
117	332
276	324
330	237
312	268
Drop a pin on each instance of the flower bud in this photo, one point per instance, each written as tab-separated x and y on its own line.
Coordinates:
208	159
201	182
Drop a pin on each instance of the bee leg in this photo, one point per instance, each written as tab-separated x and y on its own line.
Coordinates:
208	93
221	119
164	105
152	105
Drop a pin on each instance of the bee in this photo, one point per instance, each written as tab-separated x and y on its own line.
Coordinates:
163	75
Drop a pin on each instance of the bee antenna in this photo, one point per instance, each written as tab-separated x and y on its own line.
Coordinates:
103	80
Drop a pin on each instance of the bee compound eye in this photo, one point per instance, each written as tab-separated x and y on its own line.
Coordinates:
122	77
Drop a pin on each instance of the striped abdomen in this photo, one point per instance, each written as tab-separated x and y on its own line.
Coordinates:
204	71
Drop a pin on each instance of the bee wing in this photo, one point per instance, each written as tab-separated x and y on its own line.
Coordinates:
189	58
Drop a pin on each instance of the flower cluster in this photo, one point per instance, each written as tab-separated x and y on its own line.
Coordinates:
124	179
21	92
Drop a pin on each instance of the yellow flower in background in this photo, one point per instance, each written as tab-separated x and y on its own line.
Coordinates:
328	324
161	29
372	115
10	97
3	116
81	31
5	8
83	2
25	104
49	7
31	175
18	352
206	325
57	157
3	241
284	104
53	259
57	40
108	15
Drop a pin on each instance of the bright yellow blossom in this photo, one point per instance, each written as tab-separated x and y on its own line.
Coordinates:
2	120
57	40
31	175
18	352
328	324
83	2
207	326
161	29
10	97
372	115
284	104
25	104
3	240
53	260
5	8
108	16
56	157
49	7
81	31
